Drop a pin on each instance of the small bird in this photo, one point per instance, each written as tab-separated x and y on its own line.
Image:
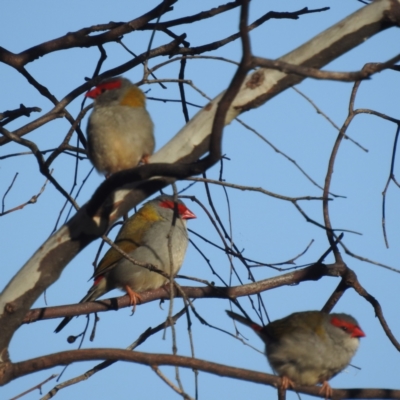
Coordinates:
120	130
150	236
310	347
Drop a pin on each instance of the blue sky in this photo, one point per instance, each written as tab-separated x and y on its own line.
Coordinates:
267	229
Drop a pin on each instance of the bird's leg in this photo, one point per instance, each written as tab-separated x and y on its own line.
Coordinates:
133	297
326	390
145	159
286	383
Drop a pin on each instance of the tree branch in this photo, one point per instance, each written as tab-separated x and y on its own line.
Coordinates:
67	357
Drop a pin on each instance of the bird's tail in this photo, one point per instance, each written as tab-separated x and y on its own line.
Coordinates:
94	292
246	321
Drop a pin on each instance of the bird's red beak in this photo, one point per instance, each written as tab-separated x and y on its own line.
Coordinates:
92	94
185	213
357	332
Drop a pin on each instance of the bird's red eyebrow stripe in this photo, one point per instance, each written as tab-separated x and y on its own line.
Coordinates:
99	89
353	329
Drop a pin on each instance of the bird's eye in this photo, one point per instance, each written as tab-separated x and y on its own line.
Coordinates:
103	90
344	328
